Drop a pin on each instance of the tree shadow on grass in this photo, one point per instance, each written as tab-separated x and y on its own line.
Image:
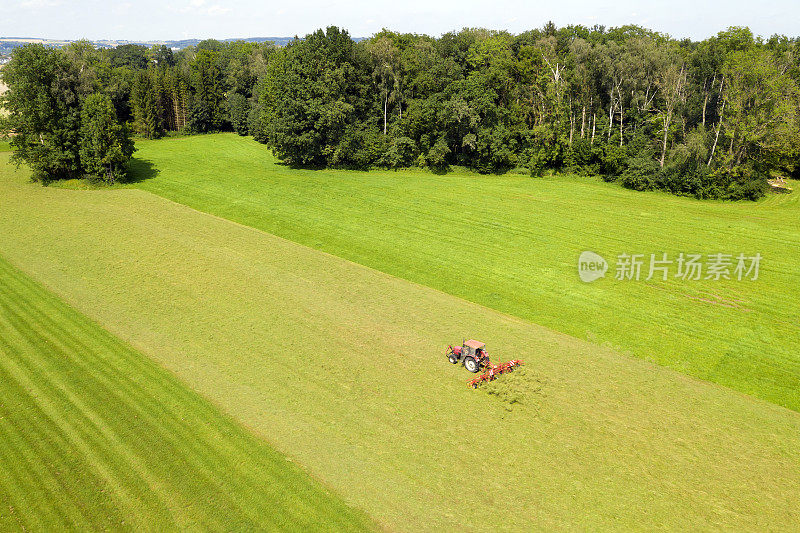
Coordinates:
305	166
140	170
439	170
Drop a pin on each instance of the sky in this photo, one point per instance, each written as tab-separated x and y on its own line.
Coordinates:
181	19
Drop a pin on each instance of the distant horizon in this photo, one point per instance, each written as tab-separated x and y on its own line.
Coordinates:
361	37
175	20
30	37
254	37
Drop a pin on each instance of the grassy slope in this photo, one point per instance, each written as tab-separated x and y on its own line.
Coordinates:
511	243
341	367
93	435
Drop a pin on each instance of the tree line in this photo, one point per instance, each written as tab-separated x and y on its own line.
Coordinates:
73	111
710	119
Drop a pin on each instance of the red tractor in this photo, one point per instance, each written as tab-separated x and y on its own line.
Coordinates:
472	354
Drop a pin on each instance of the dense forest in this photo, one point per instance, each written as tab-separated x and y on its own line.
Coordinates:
711	119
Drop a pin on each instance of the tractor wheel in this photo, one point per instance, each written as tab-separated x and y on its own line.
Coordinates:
452	359
471	364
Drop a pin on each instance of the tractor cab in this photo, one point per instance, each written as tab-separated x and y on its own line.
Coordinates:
471	353
474	348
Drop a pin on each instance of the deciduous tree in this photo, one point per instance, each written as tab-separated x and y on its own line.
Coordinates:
105	143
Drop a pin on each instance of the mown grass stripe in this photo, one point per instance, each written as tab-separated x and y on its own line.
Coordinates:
96	436
75	421
61	337
162	437
90	418
38	457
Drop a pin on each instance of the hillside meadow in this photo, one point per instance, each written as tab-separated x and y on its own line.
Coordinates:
511	243
340	366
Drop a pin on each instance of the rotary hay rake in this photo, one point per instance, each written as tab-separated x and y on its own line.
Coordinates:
472	354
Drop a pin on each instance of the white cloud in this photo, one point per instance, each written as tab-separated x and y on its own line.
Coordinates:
217	9
40	4
122	9
201	7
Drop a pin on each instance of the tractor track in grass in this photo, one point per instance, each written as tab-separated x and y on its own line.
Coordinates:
341	368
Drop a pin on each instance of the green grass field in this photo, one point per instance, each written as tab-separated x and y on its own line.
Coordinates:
95	436
340	367
511	243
